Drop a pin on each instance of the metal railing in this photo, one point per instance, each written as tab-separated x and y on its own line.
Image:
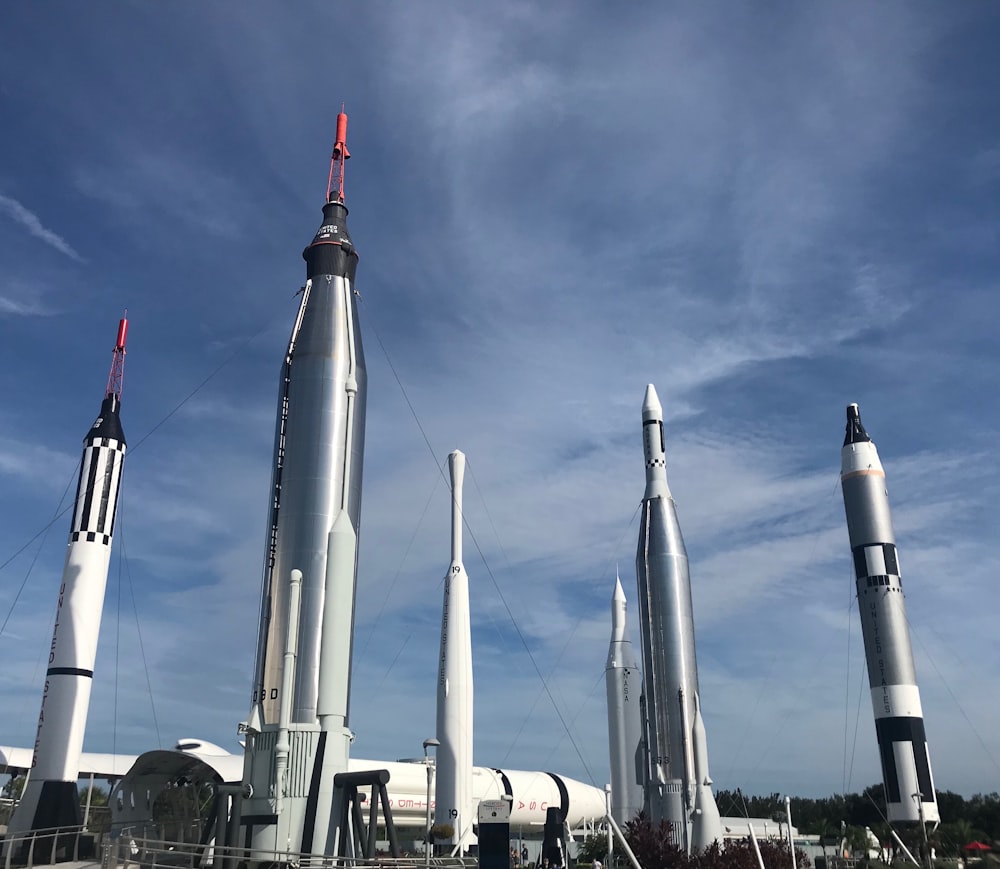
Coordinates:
53	845
125	851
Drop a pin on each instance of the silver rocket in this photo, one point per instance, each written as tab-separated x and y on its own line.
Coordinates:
623	682
899	719
453	792
298	736
50	797
678	788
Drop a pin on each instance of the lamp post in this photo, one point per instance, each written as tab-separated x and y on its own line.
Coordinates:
429	763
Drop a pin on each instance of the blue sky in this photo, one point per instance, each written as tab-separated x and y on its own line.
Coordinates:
766	212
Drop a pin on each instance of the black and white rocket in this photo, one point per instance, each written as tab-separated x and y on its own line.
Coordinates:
678	788
297	733
453	792
50	797
899	719
623	682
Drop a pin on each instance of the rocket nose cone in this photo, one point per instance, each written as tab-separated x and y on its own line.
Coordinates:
651	407
619	593
855	433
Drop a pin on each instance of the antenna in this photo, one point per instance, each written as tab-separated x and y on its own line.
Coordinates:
340	154
117	374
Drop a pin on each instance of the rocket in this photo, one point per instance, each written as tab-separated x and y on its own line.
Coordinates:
677	785
50	797
297	732
623	682
453	793
899	719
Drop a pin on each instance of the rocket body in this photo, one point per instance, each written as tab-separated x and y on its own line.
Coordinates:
624	687
453	792
314	523
50	797
899	721
319	451
670	668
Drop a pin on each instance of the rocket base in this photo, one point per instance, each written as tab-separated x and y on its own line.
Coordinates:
297	815
45	805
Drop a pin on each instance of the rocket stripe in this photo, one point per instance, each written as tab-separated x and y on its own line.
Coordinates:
120	467
83	490
109	475
865	472
909	734
89	536
104	462
890	775
69	671
875	559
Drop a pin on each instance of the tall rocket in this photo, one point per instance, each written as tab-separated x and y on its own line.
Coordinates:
899	719
453	793
298	736
50	797
678	788
622	680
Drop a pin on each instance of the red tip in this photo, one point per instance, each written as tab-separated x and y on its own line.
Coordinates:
116	376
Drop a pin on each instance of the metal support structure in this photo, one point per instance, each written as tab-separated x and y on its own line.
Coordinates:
607	811
623	841
432	742
923	831
788	818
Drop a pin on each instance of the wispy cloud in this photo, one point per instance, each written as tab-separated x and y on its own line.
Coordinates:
20	308
31	222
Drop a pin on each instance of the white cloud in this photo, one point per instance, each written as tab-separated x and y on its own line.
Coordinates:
33	224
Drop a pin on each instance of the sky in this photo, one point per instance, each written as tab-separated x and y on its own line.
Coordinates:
768	211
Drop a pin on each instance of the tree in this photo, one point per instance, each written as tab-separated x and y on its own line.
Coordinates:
652	846
595	846
12	790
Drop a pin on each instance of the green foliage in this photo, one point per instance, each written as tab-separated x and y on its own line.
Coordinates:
99	797
824	816
442	831
12	790
595	845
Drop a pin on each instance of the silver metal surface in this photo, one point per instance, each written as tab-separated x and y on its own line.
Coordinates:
623	682
670	669
326	374
675	734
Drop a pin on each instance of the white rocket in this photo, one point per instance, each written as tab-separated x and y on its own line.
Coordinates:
50	797
678	788
453	794
899	718
297	733
624	686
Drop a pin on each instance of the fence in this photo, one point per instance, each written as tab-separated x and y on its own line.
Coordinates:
128	852
44	847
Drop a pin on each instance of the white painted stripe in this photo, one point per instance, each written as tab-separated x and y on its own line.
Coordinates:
875	559
897	701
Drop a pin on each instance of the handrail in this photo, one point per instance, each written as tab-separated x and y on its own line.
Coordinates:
125	851
49	841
